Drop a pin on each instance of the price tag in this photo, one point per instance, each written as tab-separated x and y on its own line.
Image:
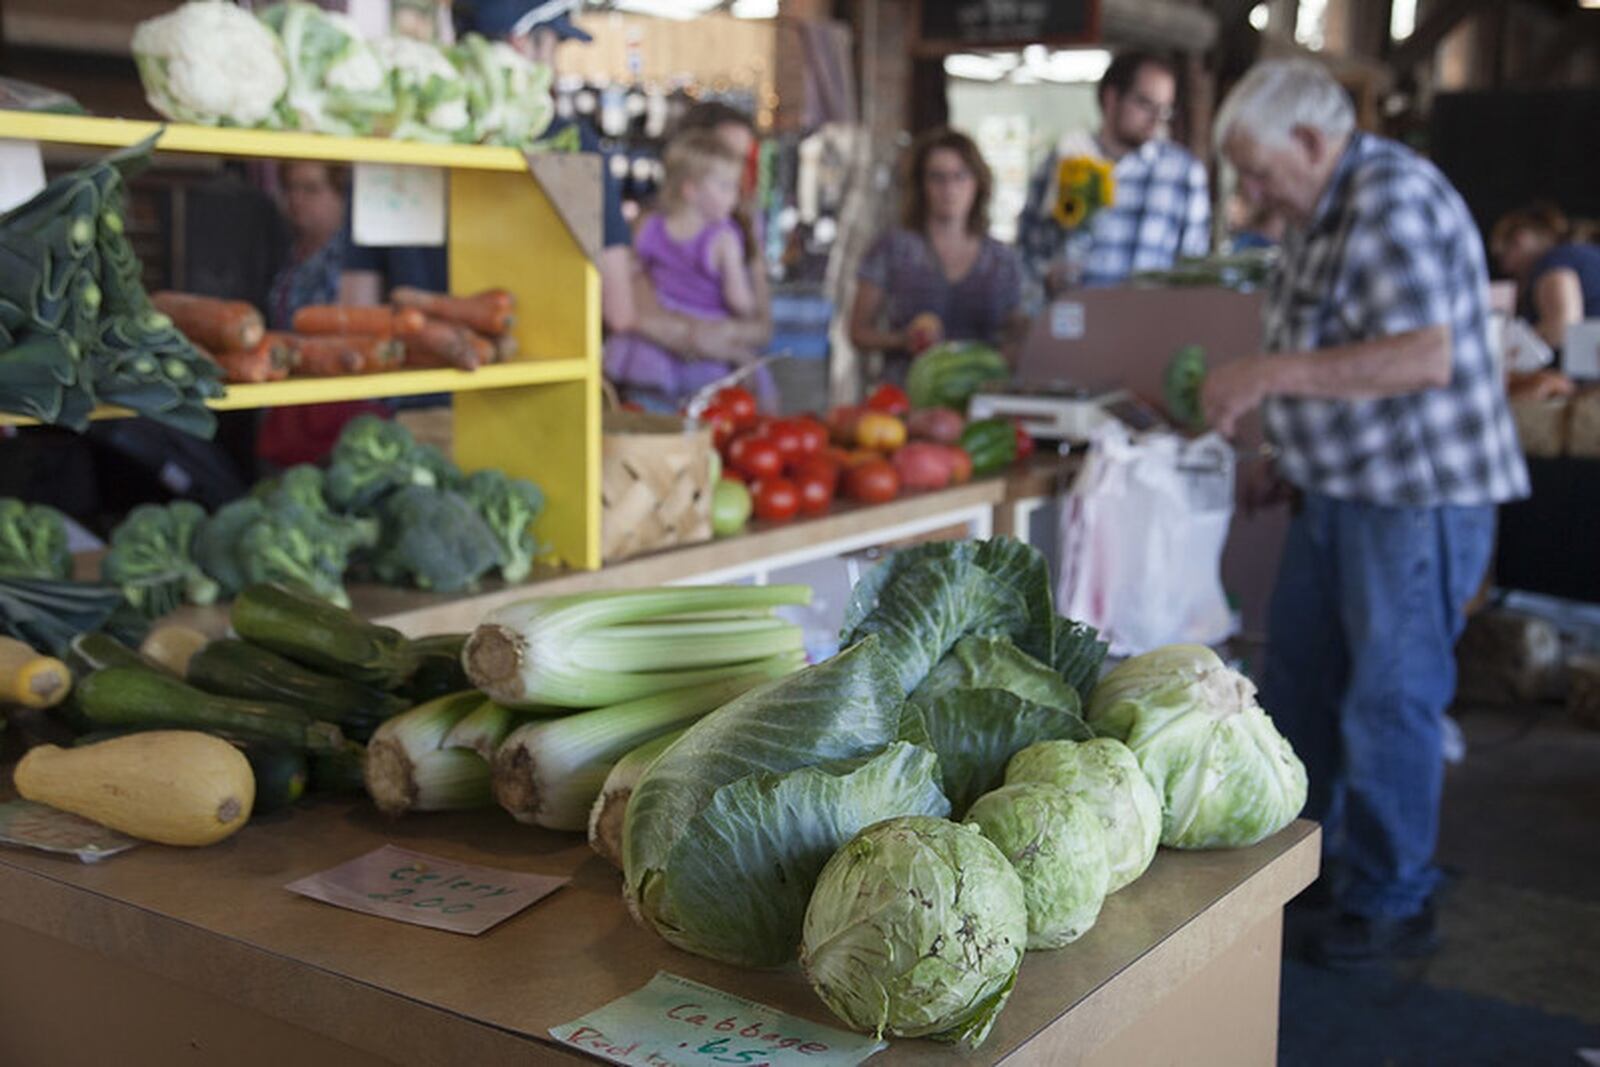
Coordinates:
21	172
22	822
1066	321
397	205
673	1022
412	887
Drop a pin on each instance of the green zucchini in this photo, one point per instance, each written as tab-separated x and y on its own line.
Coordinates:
96	651
439	671
281	774
322	636
135	696
340	770
231	667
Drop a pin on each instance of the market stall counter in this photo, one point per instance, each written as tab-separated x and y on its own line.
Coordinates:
163	955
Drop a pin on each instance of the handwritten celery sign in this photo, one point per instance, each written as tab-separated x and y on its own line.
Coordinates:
673	1022
413	887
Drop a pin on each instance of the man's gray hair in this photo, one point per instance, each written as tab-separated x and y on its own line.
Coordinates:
1276	95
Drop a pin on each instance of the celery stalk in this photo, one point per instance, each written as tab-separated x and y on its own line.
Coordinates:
598	649
611	806
407	769
549	773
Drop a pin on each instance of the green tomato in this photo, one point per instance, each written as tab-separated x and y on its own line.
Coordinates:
730	507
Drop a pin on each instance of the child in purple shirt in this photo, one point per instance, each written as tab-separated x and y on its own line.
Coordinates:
693	253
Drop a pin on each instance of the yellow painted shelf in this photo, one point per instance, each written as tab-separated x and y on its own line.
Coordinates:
374	386
270	144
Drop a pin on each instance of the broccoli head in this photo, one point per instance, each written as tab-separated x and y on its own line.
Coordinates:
33	541
251	540
446	475
152	558
372	458
301	490
434	539
510	506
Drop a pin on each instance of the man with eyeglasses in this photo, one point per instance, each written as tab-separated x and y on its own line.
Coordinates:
1161	210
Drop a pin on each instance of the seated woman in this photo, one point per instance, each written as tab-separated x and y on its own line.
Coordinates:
1558	279
940	276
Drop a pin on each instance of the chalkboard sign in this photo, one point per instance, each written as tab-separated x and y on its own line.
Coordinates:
950	25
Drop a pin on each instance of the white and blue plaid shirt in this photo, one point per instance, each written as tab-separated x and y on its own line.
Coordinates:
1160	211
1392	249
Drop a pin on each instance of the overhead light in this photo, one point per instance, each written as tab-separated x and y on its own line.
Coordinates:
1402	19
1589	3
1261	15
755	9
980	66
1073	65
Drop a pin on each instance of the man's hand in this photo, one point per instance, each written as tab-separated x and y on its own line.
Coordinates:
1233	390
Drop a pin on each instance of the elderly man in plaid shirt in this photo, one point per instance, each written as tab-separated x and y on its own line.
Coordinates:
1390	419
1161	209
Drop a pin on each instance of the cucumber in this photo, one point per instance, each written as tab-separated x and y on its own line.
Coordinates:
140	696
339	771
320	635
231	667
96	651
281	774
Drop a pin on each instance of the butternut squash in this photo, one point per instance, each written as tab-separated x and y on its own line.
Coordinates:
29	679
176	787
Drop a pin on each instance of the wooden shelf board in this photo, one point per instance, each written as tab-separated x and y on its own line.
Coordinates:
268	144
373	386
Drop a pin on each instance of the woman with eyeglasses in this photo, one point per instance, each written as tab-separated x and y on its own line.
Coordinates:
940	276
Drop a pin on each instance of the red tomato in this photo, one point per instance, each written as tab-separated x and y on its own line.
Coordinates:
873	482
777	499
842	424
889	399
813	436
739	403
722	423
819	467
786	436
816	492
839	456
1024	442
731	475
755	457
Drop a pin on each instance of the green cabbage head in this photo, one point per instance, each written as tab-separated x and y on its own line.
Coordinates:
1226	777
1105	774
916	928
1056	844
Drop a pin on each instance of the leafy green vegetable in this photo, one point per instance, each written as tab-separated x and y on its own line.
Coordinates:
727	829
430	94
1105	774
508	94
1180	386
281	536
47	614
33	541
916	928
1226	777
1056	844
433	539
151	558
985	701
510	506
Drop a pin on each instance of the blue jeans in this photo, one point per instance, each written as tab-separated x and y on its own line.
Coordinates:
1360	669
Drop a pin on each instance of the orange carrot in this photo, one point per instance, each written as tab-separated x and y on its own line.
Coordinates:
505	348
489	312
333	355
219	325
441	344
285	348
253	365
387	354
351	319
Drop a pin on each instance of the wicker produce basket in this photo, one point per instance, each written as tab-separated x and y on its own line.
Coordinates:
655	483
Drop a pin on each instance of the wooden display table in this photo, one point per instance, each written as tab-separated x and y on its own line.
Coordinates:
167	956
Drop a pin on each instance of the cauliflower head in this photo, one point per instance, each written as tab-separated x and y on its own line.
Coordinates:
211	63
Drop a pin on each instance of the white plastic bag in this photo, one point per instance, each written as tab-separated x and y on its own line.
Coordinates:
1142	534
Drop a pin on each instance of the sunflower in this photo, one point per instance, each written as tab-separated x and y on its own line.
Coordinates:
1070	209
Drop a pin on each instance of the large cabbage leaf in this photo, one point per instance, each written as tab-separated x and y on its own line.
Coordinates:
337	83
926	597
744	868
846	708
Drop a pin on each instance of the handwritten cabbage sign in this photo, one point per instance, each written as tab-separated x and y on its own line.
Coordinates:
673	1022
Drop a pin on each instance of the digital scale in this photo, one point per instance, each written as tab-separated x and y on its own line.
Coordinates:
1062	412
